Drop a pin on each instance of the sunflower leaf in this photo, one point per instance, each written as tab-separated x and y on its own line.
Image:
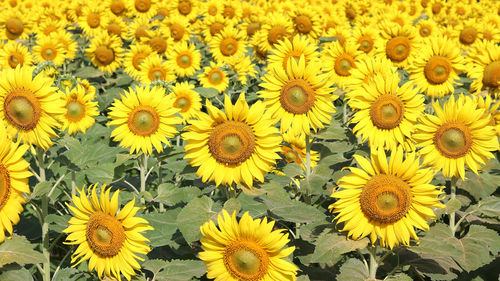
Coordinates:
476	247
331	246
206	92
488	207
16	275
193	215
88	72
19	250
293	211
354	270
164	227
181	270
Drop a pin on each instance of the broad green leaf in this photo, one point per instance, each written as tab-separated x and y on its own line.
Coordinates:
399	277
181	270
206	92
249	203
293	170
107	98
165	226
353	270
68	274
232	205
16	275
41	189
294	211
478	247
480	186
57	222
303	278
171	194
19	250
88	72
488	207
193	215
331	246
154	265
453	205
333	132
103	173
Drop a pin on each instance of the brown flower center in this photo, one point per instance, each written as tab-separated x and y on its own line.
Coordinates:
231	142
14	59
117	7
468	35
143	120
157	73
183	103
142	5
365	43
48	52
437	70
104	55
158	44
228	46
387	111
4	186
215	76
15	28
252	28
276	34
215	28
303	24
398	48
114	29
22	109
94	20
343	65
185	7
453	140
297	96
176	31
491	74
184	60
228	12
138	59
105	234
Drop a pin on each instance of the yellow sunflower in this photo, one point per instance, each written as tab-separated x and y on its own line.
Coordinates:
30	107
245	250
115	26
49	26
80	110
365	38
397	43
338	60
14	176
145	118
91	20
244	68
186	100
118	8
227	44
14	25
300	97
231	10
295	150
211	8
306	21
138	29
386	113
154	68
214	77
107	238
491	108
484	69
105	52
276	27
365	71
459	134
48	48
427	28
142	8
294	48
466	34
435	69
68	44
185	59
237	146
186	8
13	54
213	25
136	55
386	200
159	40
180	28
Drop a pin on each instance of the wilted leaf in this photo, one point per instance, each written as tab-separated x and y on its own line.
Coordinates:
19	250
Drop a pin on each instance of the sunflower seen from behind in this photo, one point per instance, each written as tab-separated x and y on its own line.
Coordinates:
235	146
80	110
300	97
386	200
145	118
14	176
245	250
459	134
30	107
108	238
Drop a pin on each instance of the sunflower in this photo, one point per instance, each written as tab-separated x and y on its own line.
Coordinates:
213	25
68	44
186	8
365	38
118	8
30	107
232	147
491	108
294	48
159	40
306	21
115	26
13	54
466	34
136	55
245	250
386	200
138	29
227	44
14	25
427	28
49	26
48	48
299	96
484	68
107	238
295	150
105	52
489	32
211	8
145	118
186	100
244	68
180	29
184	59
365	71
397	43
251	26
459	134
214	77
80	110
142	8
338	60
276	27
154	68
435	69
14	176
92	20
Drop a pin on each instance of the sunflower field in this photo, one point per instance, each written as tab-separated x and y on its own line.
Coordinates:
249	140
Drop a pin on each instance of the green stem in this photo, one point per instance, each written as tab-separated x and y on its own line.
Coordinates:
160	181
308	157
453	195
73	182
143	169
45	211
373	262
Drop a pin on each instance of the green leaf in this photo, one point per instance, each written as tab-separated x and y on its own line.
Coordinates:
453	205
58	223
41	189
293	170
333	132
171	194
206	92
232	205
255	208
480	186
154	265
331	246
103	173
324	39
181	270
107	98
165	226
353	270
399	277
68	274
488	207
16	275
193	215
476	247
88	72
19	250
294	211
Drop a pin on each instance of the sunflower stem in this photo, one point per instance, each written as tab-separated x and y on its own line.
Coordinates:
43	219
143	168
453	188
73	183
373	262
308	157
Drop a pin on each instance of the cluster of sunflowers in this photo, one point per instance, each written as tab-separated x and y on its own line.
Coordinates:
417	78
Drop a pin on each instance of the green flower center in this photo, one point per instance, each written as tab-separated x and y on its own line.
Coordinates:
296	96
387	201
75	110
246	261
215	77
103	235
453	140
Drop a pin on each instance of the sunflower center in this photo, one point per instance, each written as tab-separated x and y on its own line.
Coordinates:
425	31
156	74
14	26
231	142
176	31
142	5
252	28
215	77
114	29
138	59
228	12
215	28
141	31
365	44
488	35
104	55
289	154
491	74
184	7
48	53
22	109
398	48
229	46
453	140
385	198
343	65
143	120
212	11
297	97
303	24
468	35
75	111
276	34
246	260
436	8
158	44
387	111
4	186
105	234
14	59
93	20
117	7
184	61
437	70
182	103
